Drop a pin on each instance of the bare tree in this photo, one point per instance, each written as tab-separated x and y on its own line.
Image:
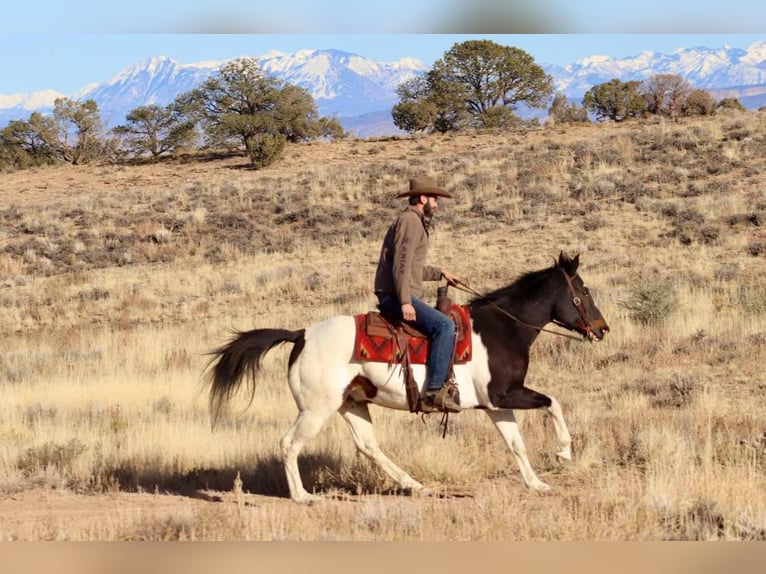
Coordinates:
666	94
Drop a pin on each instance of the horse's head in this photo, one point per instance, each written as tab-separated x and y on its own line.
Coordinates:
575	308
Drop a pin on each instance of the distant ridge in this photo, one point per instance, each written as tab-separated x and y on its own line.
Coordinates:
361	92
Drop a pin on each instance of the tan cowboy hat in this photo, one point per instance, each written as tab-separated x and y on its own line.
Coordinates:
424	186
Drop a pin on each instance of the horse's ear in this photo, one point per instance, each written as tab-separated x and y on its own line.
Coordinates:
575	263
569	264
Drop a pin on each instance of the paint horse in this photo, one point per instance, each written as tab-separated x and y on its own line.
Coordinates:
322	370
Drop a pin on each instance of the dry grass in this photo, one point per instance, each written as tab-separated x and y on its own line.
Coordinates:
116	281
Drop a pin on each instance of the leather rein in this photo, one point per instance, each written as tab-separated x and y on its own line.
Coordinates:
575	300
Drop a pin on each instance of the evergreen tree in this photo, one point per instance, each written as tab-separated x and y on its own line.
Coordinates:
477	83
615	100
562	112
25	143
155	130
80	131
243	105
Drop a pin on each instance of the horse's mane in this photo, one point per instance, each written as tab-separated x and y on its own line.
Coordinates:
529	282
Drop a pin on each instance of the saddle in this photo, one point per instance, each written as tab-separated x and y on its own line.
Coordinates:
383	339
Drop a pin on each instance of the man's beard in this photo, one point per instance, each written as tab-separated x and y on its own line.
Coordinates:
429	210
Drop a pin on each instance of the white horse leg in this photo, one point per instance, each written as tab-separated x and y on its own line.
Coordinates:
357	416
563	437
506	424
306	426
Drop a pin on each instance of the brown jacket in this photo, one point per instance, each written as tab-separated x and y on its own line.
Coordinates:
401	268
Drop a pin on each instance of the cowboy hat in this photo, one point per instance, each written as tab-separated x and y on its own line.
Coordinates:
424	186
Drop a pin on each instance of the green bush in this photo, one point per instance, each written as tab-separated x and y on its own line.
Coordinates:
651	304
264	149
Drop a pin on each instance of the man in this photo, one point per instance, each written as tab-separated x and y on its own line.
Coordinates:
398	284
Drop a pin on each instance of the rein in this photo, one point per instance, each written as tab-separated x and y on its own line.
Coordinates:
467	289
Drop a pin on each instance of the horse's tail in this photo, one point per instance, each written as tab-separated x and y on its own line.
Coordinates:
239	359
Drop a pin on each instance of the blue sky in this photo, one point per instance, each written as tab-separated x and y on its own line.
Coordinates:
66	63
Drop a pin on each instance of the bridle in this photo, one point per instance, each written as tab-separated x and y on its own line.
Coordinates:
584	325
577	301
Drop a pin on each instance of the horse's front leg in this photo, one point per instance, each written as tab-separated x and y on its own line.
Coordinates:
506	424
563	438
521	397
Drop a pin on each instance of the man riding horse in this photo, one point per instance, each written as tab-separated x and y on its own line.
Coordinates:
399	287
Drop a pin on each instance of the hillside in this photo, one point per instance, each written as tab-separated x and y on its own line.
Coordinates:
116	280
590	188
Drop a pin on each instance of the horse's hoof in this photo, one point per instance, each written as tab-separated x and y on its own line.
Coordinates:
307	499
540	486
564	454
421	492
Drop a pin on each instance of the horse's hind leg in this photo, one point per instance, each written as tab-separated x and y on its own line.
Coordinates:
563	437
306	426
506	424
357	416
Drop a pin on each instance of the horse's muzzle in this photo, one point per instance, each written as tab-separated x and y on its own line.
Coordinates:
596	331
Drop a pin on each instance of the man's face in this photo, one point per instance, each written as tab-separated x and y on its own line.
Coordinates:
430	206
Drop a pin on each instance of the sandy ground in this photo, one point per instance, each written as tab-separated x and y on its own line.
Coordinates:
46	511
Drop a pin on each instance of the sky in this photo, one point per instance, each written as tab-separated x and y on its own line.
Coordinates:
68	62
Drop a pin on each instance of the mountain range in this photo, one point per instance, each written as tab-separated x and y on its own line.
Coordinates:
361	92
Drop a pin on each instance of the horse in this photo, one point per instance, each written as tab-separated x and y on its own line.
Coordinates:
325	378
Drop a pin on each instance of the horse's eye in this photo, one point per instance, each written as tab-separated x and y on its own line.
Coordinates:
586	291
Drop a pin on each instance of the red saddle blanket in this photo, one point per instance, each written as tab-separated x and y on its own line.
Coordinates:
376	339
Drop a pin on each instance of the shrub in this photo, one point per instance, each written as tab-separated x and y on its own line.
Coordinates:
265	149
730	104
651	304
698	103
752	298
51	455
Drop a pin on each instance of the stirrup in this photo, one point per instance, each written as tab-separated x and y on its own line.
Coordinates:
446	399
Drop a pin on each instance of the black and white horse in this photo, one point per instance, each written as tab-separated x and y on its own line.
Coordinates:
322	372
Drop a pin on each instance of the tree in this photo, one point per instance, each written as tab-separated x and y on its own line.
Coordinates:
73	133
562	112
258	112
25	143
416	110
491	75
297	115
80	131
237	103
698	103
665	94
469	86
155	130
331	128
615	100
730	104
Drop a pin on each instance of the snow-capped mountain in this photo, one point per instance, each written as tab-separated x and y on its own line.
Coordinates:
359	91
705	68
152	81
30	102
342	84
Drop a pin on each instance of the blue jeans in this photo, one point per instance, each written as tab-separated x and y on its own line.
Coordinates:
439	328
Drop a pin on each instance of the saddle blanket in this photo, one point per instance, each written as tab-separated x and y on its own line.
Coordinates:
376	339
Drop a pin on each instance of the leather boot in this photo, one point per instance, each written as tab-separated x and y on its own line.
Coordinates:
441	399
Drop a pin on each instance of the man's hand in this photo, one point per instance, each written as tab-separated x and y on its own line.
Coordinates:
451	279
408	312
